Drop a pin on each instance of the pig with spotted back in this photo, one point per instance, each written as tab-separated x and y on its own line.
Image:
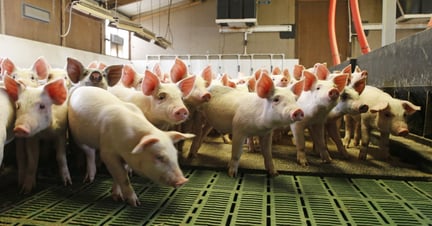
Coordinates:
246	114
349	103
40	114
319	96
161	103
387	115
100	120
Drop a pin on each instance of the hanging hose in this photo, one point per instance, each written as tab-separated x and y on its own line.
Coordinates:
332	33
359	27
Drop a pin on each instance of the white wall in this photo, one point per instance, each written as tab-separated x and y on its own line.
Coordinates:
24	52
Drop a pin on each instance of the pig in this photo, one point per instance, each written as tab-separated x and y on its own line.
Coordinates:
245	114
387	115
317	99
7	119
161	103
39	113
123	135
33	76
96	74
349	103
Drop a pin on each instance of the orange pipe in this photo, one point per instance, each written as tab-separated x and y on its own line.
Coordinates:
332	33
359	27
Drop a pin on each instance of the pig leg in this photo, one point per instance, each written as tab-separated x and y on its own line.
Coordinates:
365	139
61	160
21	158
198	130
266	144
317	132
236	152
384	145
299	139
349	129
333	132
120	178
357	132
90	154
32	153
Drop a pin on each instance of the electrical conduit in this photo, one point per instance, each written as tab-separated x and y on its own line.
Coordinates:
332	33
359	27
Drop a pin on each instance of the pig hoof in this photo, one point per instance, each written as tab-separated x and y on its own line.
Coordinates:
273	173
362	157
117	197
232	173
303	162
192	155
326	161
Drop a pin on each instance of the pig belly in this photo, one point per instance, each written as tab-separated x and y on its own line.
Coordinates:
83	130
219	113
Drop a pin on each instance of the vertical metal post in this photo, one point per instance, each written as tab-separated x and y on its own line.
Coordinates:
388	34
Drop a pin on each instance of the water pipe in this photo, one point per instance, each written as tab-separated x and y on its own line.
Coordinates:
332	33
359	27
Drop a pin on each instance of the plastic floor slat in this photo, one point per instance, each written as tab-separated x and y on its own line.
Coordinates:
212	198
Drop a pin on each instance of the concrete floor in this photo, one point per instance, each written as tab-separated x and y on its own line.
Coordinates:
214	153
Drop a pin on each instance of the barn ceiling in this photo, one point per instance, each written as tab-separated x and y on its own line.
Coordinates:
138	9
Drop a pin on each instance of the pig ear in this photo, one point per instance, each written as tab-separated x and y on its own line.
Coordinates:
298	71
251	84
157	71
57	91
75	69
7	66
144	143
276	71
257	74
309	80
297	87
101	66
128	76
359	85
113	74
178	71
227	82
321	71
177	136
347	69
379	107
409	107
13	88
150	83
357	69
340	81
207	75
93	64
41	68
187	85
265	86
286	73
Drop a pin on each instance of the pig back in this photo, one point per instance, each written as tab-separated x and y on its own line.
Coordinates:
222	107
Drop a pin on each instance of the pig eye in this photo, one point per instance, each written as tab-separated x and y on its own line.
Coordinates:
344	96
41	106
162	96
387	114
276	99
17	105
160	158
318	87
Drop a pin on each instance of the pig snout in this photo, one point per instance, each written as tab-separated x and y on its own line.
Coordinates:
182	180
21	131
206	97
297	115
181	114
363	108
403	132
333	94
95	77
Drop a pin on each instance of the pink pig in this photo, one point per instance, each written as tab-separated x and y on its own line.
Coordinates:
161	103
99	120
246	114
32	76
7	119
39	113
387	115
95	74
319	96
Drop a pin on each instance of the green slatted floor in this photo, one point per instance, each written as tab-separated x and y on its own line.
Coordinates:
212	198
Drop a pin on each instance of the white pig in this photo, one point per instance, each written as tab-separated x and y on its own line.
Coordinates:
123	135
245	114
317	99
387	115
161	103
38	116
33	76
7	119
95	74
